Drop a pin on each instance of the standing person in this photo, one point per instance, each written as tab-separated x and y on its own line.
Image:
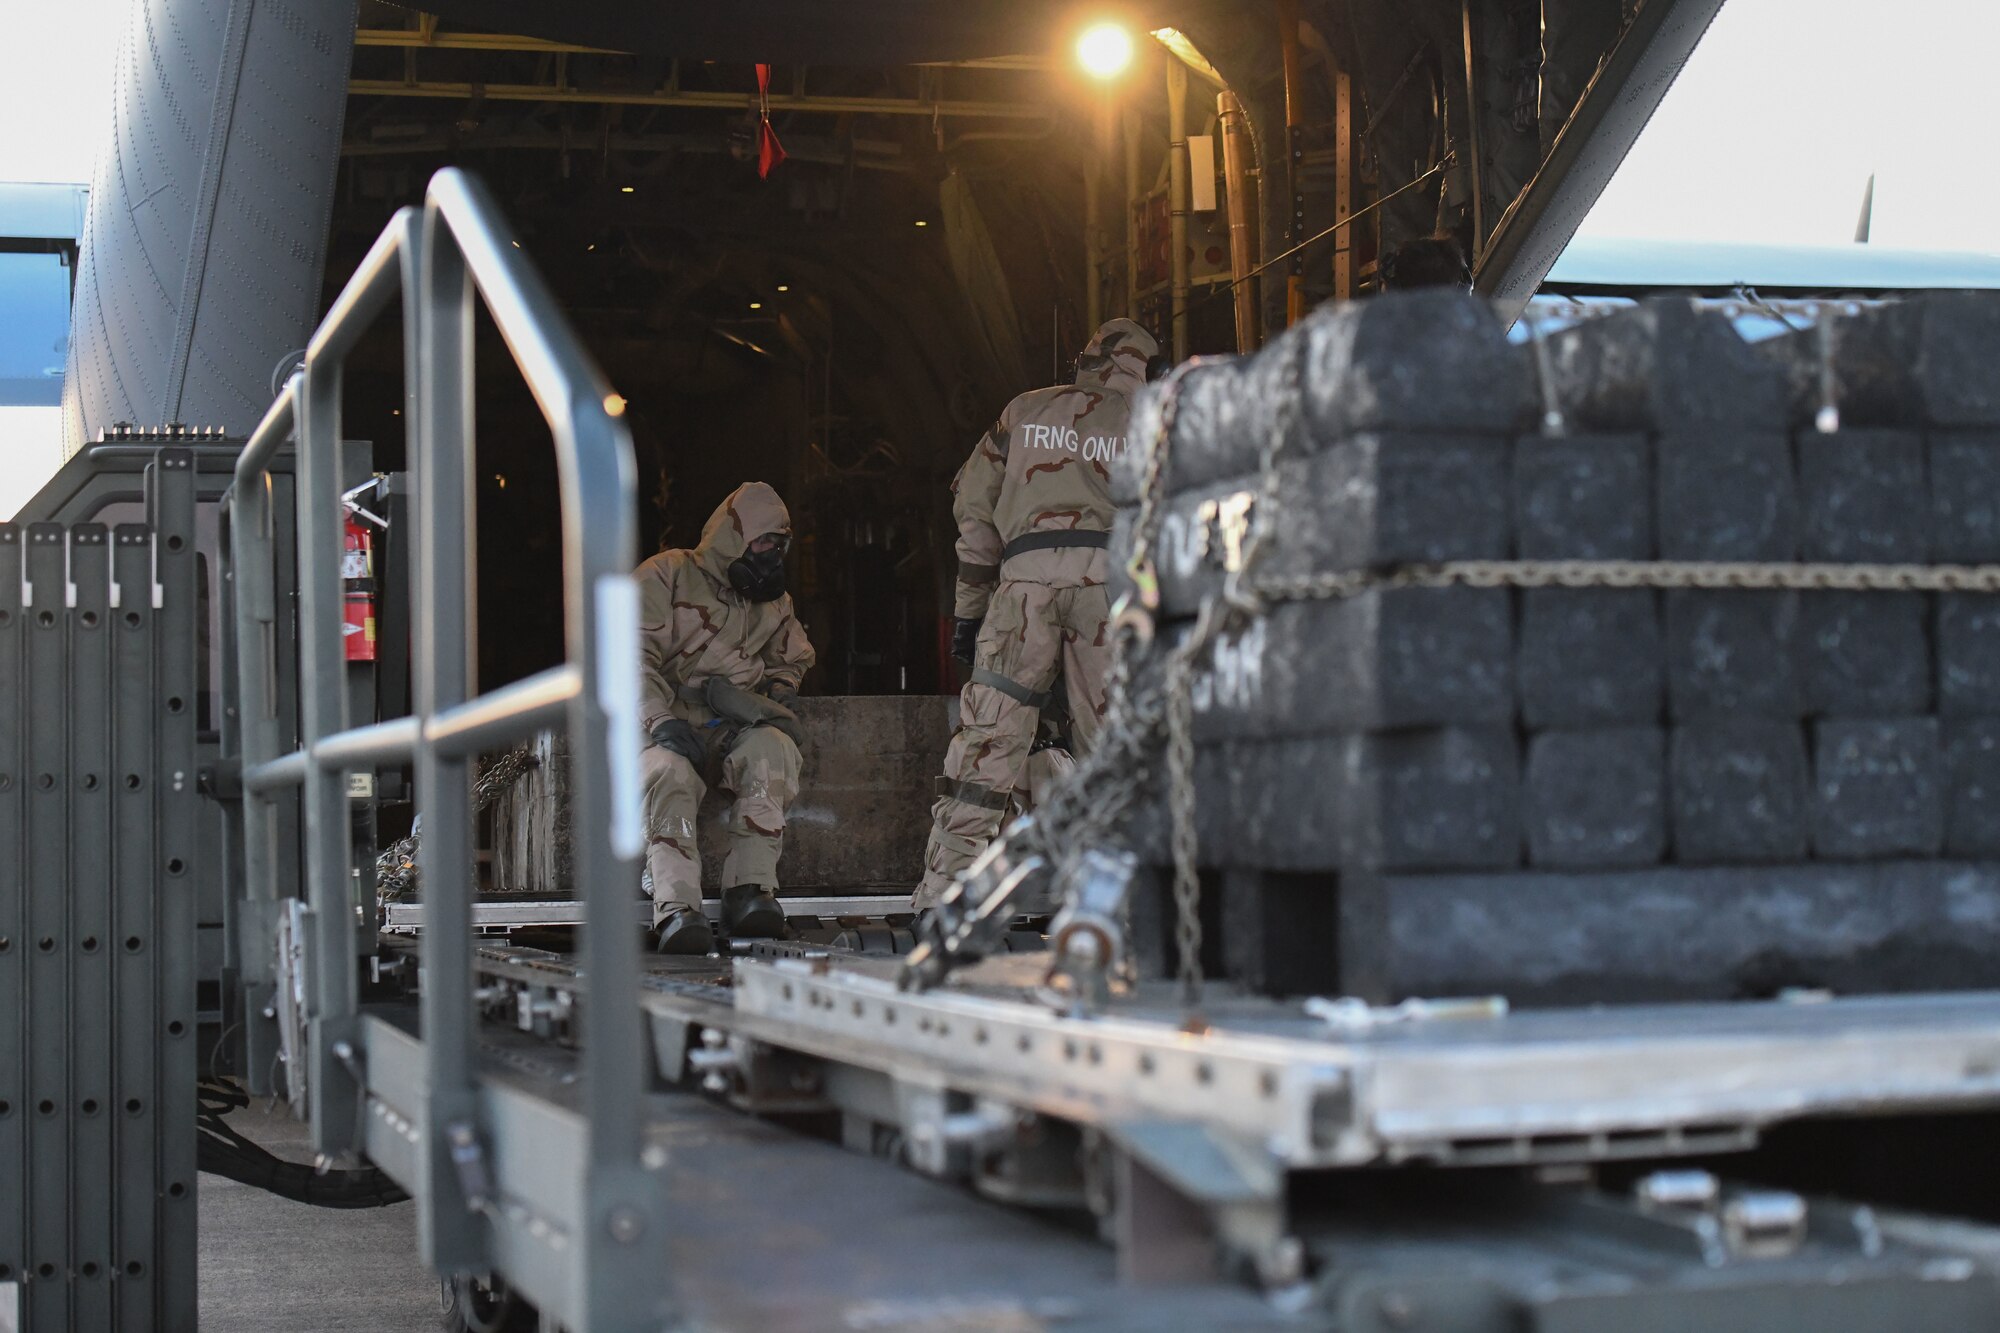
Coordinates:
722	658
1034	520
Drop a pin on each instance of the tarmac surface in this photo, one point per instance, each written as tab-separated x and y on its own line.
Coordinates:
269	1265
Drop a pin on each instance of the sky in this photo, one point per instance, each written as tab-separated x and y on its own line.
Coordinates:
1770	134
1771	131
55	109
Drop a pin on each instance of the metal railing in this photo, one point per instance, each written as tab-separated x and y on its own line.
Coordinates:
439	259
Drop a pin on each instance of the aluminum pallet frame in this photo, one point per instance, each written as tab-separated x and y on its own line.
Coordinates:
500	918
1540	1086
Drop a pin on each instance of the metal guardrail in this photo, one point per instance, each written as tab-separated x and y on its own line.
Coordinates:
440	259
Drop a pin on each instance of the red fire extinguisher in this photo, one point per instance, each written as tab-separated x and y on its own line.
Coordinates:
357	572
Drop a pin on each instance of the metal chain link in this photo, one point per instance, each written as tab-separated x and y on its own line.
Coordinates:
1182	829
1711	574
396	874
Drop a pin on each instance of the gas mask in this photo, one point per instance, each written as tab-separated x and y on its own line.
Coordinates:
760	575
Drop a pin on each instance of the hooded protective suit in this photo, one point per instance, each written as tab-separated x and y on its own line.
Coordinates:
695	626
1033	505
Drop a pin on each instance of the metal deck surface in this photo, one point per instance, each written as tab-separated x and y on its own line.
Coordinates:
773	1230
786	1232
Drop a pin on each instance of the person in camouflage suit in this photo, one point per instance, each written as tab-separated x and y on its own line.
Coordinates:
723	655
1034	519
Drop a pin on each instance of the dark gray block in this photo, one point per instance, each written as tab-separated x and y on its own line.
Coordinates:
1590	657
1210	409
1428	799
1965	496
1446	798
1865	654
1416	361
1412	498
1373	500
1972	786
1878	789
1738	791
1147	829
1583	497
1596	798
1726	495
1733	652
1925	360
1862	496
1666	365
1419	362
1278	930
1404	658
1443	798
1968	652
1671	934
1141	428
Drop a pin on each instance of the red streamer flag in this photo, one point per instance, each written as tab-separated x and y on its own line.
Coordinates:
769	151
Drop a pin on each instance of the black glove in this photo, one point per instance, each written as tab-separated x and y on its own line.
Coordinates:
965	638
678	736
747	709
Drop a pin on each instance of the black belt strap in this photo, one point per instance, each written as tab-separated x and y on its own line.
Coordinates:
977	576
1013	689
972	793
1054	541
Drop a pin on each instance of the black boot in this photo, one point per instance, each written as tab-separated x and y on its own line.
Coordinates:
751	912
684	930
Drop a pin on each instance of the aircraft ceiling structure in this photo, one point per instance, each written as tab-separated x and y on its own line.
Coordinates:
202	261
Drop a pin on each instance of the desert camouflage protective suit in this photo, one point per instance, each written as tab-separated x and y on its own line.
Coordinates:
1034	517
694	625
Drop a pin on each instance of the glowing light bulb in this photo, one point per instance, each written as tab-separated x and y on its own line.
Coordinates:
1104	50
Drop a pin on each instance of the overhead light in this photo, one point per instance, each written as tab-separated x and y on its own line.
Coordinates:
1104	50
500	479
591	246
624	189
922	223
783	288
614	406
756	305
1184	49
517	245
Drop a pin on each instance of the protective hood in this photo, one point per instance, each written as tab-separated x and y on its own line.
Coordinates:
1116	357
752	510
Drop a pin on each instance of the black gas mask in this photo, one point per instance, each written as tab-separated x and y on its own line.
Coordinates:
760	575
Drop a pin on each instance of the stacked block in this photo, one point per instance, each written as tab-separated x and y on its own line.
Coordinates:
1396	709
1424	753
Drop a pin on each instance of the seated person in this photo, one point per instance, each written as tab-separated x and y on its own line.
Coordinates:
723	655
